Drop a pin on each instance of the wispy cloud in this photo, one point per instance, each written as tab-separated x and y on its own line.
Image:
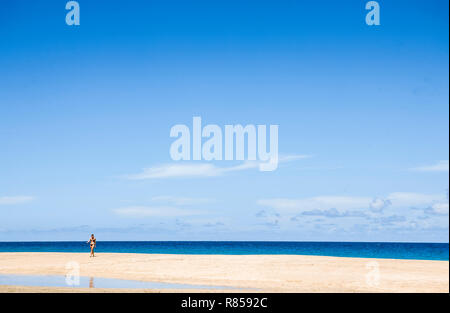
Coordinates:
388	220
181	200
316	203
269	219
146	211
345	206
164	206
413	199
379	204
398	211
186	170
441	166
15	200
333	212
293	157
200	169
437	209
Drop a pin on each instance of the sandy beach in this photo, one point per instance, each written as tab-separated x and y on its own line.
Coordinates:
254	273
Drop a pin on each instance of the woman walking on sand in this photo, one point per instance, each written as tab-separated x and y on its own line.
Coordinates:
93	243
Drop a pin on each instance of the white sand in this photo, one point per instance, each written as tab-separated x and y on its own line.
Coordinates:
268	273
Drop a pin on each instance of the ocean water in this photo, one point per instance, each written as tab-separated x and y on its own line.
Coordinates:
388	250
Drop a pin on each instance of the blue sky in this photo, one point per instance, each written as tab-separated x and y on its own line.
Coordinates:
362	114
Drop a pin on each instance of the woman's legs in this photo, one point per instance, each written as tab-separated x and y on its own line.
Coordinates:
92	251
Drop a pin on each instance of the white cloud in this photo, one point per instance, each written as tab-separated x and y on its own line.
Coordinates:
182	200
411	199
145	211
441	166
340	203
293	157
396	211
333	212
378	204
200	169
15	200
438	209
187	170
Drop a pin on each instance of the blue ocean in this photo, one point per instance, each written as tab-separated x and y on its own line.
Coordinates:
388	250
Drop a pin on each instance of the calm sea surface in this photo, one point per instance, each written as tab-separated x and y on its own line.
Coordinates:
418	251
